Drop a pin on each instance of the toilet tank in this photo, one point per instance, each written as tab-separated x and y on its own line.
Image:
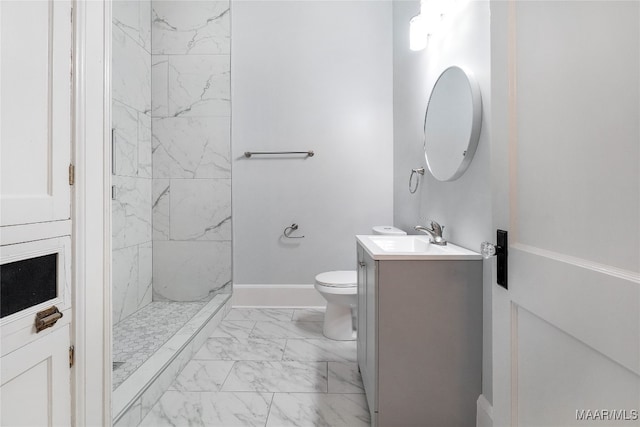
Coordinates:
388	230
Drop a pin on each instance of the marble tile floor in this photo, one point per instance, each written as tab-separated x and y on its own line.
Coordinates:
141	334
267	367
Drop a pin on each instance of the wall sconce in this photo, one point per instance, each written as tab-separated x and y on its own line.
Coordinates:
426	23
418	34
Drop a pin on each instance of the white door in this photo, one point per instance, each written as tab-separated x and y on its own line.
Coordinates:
35	224
566	162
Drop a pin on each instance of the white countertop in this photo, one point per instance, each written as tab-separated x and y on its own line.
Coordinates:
412	248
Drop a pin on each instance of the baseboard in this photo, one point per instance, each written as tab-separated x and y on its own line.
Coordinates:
276	296
484	417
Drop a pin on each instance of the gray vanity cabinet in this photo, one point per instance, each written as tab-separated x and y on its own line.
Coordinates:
420	340
366	324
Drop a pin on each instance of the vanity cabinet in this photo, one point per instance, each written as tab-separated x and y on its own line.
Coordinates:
420	340
366	324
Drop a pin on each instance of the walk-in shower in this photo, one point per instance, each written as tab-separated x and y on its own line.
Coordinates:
171	208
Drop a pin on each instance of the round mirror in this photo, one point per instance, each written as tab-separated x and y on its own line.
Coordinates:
452	124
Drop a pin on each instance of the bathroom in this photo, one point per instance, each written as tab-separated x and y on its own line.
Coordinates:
203	244
195	214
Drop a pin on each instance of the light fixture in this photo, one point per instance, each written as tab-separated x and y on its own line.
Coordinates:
427	22
417	33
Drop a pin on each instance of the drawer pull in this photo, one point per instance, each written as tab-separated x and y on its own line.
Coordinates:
47	318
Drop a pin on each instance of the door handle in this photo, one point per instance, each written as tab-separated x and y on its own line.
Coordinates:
113	151
501	252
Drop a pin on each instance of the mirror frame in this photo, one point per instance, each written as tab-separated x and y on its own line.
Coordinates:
476	124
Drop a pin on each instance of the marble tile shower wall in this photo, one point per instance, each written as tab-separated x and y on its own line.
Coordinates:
131	115
191	115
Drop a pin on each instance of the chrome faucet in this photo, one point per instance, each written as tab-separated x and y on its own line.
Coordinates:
435	233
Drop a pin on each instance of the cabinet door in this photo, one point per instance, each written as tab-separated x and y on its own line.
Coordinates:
362	311
369	375
35	111
367	331
35	385
34	366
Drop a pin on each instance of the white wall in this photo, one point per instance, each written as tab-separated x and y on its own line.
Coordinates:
309	76
131	208
462	206
191	110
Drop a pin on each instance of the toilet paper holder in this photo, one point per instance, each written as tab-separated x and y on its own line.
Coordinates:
290	229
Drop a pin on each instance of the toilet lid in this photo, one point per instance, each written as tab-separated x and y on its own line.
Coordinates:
339	279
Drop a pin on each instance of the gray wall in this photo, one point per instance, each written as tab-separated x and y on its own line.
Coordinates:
462	206
310	75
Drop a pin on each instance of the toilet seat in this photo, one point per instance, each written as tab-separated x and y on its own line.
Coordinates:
338	279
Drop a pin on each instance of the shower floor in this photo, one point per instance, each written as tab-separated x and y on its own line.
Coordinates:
140	335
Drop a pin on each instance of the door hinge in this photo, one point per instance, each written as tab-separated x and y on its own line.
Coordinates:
72	174
72	356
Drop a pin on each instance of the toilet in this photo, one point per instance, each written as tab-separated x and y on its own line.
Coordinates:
340	289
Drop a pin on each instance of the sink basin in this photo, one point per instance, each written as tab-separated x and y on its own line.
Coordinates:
404	244
412	248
